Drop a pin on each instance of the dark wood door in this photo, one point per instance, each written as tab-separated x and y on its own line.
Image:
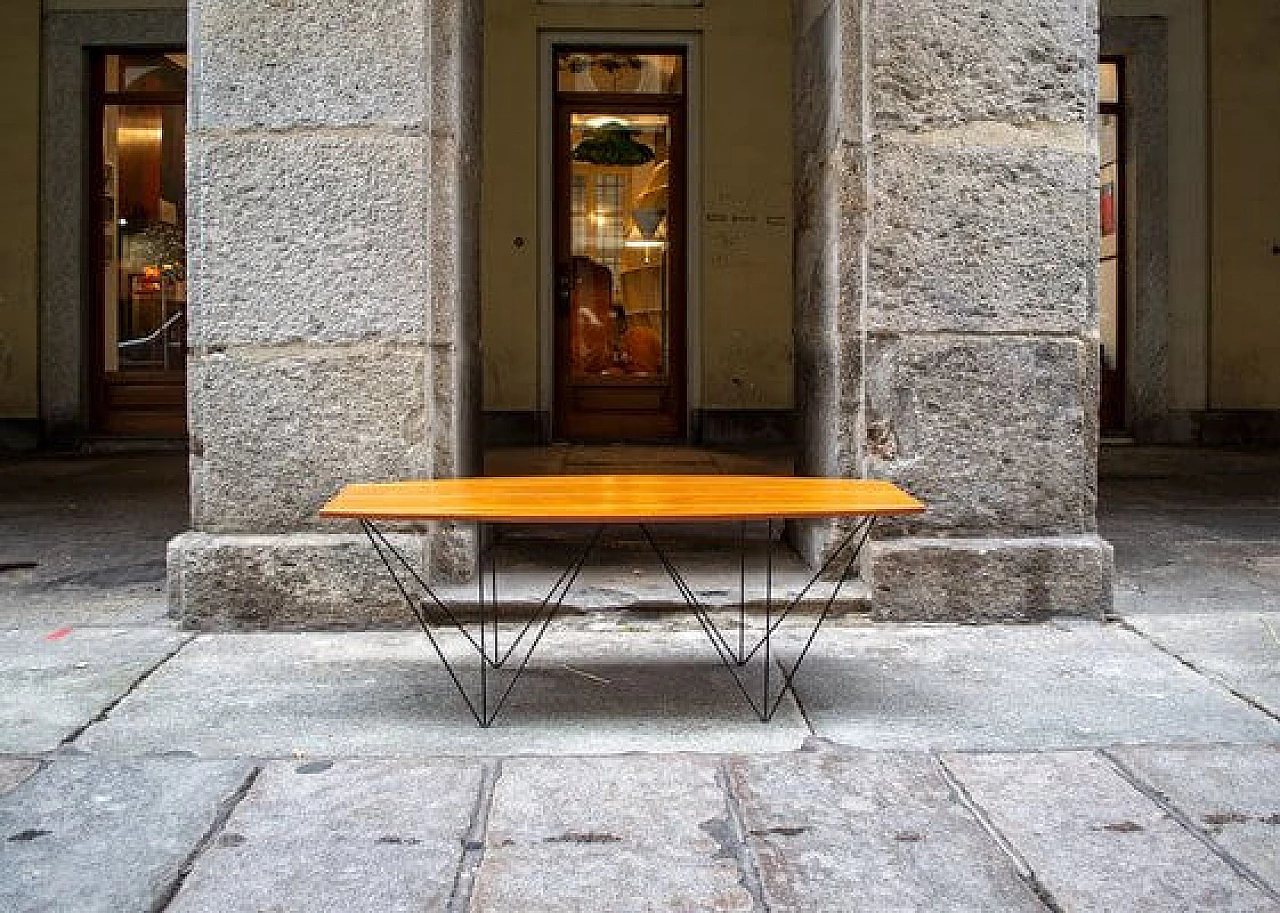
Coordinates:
620	259
136	244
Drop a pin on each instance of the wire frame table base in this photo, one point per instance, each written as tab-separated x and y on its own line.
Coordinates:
749	655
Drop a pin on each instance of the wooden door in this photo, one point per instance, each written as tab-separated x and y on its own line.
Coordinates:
620	172
135	307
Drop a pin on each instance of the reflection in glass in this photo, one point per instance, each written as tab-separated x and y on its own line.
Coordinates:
148	73
1109	215
618	228
143	223
613	71
1109	83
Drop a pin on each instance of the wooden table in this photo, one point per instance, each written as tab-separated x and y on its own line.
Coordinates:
598	502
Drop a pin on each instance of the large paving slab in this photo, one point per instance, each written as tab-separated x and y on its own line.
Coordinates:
54	682
85	836
1239	649
381	836
1005	687
1231	793
82	539
610	835
884	828
1096	843
386	695
1194	530
1177	561
13	773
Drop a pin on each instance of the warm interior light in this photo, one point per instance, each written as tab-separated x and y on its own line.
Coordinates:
601	120
139	136
636	238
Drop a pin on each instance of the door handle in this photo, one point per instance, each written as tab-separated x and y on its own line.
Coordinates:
564	290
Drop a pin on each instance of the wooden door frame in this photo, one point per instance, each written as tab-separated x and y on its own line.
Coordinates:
676	107
92	272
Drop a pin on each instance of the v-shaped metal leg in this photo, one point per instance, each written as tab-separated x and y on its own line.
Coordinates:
433	613
739	661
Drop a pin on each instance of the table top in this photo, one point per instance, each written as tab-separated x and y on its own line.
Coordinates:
621	499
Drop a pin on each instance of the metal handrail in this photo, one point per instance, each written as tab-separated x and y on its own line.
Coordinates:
153	336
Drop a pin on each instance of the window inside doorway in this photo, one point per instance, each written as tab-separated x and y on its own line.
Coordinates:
619	72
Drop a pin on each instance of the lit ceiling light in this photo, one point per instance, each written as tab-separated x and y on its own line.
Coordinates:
602	120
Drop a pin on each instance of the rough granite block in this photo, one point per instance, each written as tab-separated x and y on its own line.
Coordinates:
979	239
938	62
309	63
996	433
309	238
275	437
306	581
983	580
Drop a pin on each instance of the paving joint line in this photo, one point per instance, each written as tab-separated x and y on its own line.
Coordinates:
473	842
1165	804
1021	867
40	766
744	856
225	809
1208	676
69	740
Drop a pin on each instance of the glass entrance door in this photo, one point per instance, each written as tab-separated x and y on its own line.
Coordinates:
1111	268
619	196
138	227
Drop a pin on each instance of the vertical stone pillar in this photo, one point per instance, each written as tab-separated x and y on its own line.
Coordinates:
332	185
831	228
981	314
947	326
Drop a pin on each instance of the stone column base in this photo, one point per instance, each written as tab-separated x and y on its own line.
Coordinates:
988	580
286	582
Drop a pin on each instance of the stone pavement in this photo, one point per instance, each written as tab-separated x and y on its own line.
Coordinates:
1131	765
1073	766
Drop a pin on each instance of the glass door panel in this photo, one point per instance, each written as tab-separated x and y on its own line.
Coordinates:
140	284
1111	265
620	251
620	310
144	306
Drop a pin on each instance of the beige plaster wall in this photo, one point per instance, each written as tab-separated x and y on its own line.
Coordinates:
19	201
1245	46
1188	194
743	134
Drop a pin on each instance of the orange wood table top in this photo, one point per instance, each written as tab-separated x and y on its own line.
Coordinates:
621	499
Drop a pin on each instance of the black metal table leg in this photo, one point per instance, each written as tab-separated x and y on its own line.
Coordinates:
767	705
432	612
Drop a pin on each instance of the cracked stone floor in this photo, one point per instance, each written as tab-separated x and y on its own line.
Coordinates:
1130	765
